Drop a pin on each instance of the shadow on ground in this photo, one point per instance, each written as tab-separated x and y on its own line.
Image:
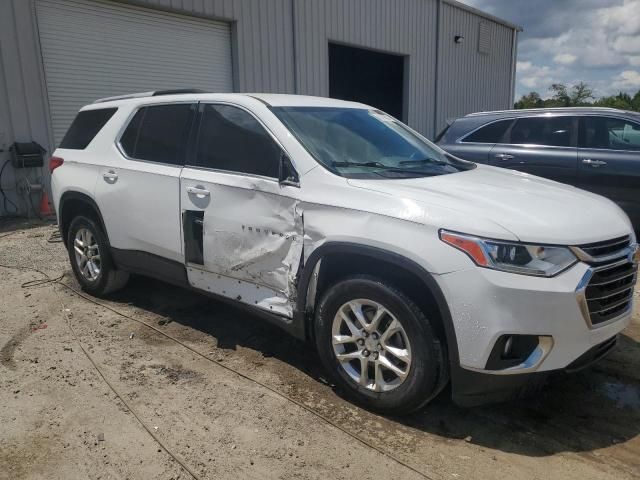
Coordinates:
582	412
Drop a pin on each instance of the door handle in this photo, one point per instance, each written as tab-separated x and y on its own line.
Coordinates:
594	163
198	191
504	156
110	176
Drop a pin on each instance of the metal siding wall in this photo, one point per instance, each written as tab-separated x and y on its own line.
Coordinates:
264	55
23	102
407	27
263	38
470	81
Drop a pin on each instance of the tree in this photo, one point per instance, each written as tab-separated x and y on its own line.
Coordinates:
579	94
531	100
622	101
561	96
635	102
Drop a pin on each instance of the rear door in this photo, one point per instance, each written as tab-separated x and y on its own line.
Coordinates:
138	185
609	161
242	228
541	145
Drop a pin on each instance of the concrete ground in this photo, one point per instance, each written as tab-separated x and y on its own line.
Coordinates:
138	405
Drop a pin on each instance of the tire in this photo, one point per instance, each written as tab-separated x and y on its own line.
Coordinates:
104	278
423	365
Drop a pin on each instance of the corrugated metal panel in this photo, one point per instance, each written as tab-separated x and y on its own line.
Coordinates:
470	81
263	38
407	28
100	49
263	54
23	107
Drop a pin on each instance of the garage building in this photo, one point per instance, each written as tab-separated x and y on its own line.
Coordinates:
423	61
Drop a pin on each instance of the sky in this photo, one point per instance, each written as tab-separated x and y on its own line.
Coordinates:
567	41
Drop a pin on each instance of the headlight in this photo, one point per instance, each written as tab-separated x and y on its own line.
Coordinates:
538	260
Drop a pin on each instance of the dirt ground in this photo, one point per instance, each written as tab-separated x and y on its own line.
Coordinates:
161	409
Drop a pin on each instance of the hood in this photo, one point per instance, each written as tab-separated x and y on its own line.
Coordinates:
533	209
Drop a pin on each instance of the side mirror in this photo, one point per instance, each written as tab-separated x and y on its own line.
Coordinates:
288	174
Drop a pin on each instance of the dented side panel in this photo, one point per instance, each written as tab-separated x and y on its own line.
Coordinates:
252	236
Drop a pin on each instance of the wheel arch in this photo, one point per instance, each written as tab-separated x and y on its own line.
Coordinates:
320	270
73	203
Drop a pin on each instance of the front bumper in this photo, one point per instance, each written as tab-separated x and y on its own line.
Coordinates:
472	388
487	305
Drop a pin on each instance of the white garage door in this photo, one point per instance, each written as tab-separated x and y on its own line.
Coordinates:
94	49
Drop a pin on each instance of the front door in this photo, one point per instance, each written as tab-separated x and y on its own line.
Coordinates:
543	146
242	228
609	161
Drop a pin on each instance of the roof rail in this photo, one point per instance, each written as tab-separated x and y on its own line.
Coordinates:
152	93
177	91
549	110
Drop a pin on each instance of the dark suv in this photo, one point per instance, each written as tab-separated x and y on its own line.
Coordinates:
597	149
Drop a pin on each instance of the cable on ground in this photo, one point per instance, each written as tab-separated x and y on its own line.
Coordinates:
286	397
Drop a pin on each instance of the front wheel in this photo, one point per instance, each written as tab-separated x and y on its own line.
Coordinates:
91	260
379	346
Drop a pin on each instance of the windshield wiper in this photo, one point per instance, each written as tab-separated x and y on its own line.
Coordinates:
359	164
424	161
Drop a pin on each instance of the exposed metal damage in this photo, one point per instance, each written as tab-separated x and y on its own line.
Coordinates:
255	264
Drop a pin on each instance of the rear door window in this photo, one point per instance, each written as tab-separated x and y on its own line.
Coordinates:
548	131
85	127
159	133
491	133
232	139
609	133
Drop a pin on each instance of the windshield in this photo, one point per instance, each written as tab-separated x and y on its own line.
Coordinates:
361	143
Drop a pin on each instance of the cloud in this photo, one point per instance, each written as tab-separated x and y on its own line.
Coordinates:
565	58
627	80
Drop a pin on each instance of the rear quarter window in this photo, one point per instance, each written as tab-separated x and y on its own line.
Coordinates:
85	127
491	133
158	133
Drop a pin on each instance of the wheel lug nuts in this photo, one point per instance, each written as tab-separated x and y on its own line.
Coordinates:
365	334
375	336
375	355
365	352
361	342
379	347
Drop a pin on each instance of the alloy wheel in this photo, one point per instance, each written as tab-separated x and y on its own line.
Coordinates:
371	345
87	254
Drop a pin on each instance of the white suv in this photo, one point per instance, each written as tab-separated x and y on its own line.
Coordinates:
407	267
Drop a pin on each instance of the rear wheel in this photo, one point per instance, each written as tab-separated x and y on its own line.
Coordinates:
91	260
379	346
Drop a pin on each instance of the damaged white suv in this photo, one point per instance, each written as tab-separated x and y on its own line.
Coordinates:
408	268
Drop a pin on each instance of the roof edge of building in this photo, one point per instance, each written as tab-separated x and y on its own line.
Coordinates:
480	13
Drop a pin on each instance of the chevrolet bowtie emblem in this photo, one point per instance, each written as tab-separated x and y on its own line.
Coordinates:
634	255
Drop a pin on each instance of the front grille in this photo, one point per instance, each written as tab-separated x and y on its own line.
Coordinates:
609	293
607	247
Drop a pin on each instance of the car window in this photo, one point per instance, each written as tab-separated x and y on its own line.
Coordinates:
85	127
550	131
232	139
159	133
609	133
491	133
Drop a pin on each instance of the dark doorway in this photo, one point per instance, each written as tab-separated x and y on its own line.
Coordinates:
366	76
